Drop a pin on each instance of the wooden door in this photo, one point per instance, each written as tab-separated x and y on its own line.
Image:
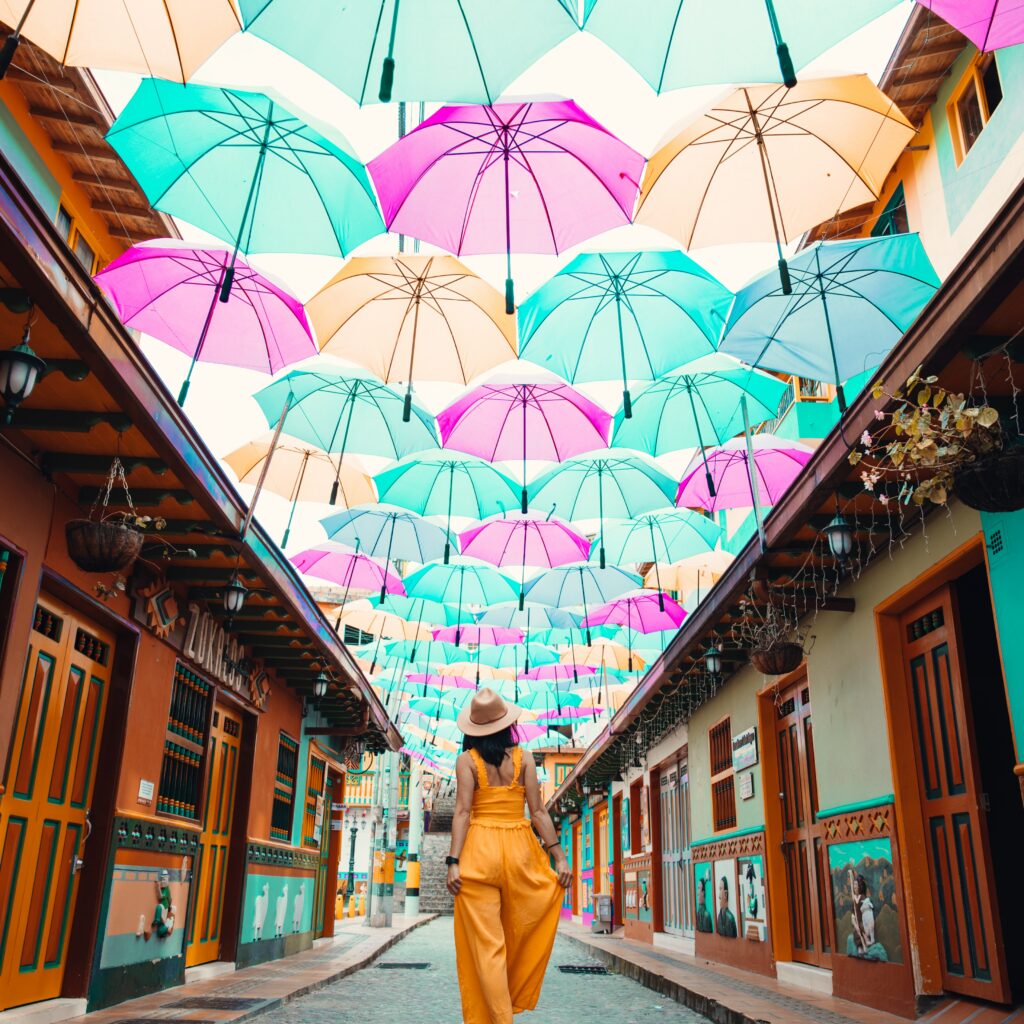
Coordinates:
211	870
44	809
963	892
803	844
676	855
602	852
577	863
617	858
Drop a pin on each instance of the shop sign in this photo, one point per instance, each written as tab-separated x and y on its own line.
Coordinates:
744	749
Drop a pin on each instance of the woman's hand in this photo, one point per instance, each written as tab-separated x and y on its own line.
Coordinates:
562	868
454	882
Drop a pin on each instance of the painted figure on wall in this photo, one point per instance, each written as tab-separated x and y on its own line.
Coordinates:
300	899
704	921
726	924
864	900
280	909
163	915
259	916
753	910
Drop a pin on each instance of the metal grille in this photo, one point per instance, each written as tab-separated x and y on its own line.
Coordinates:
583	969
395	965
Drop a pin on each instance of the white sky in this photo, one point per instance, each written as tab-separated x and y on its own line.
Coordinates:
582	68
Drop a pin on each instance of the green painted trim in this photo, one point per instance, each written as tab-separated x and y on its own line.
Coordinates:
863	805
727	835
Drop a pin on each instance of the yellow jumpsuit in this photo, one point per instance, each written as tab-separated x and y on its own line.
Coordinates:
507	910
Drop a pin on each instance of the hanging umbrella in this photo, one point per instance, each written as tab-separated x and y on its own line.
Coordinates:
432	613
430	654
677	43
439	682
645	312
447	483
381	624
412	318
346	569
534	177
350	413
446	707
695	573
663	535
169	290
604	654
642	612
505	422
298	472
524	540
158	39
380	530
851	302
700	406
777	463
612	484
542	740
571	585
544	701
768	163
474	633
466	50
518	656
989	24
482	671
244	168
557	671
531	616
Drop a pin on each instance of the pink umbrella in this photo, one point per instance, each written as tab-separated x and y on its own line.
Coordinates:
472	634
776	464
580	712
347	569
170	291
558	671
644	612
527	731
500	422
528	176
989	24
441	682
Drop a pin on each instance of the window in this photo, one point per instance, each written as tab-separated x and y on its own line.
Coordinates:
723	791
561	773
313	818
83	250
893	219
284	789
181	775
973	103
354	637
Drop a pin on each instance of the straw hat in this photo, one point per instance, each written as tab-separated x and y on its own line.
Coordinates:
487	713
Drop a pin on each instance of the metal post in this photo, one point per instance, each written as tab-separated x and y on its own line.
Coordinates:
412	865
382	889
376	834
353	834
752	474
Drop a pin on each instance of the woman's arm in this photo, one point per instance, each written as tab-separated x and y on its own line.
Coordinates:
465	783
543	823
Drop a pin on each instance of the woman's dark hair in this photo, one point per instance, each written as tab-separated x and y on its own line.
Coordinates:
492	748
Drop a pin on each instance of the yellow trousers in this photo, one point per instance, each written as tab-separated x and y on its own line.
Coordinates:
506	915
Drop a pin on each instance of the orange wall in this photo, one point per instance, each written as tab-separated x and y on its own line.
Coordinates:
283	712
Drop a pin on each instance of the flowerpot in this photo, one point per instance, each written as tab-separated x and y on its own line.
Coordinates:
994	482
102	547
777	660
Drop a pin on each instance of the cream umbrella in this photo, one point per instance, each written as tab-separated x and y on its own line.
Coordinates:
409	318
471	670
698	572
767	163
360	616
157	38
300	472
604	654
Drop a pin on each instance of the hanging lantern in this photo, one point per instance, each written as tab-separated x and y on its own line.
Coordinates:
713	661
840	536
321	684
20	368
234	596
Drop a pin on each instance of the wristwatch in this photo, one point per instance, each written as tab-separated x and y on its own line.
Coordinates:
451	860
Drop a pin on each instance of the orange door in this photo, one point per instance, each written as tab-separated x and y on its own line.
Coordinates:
577	868
601	849
211	870
44	809
803	845
962	891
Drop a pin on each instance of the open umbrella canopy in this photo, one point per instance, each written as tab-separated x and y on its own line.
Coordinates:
643	312
430	654
166	40
439	682
851	301
381	624
642	612
707	42
777	463
410	317
246	169
529	176
465	50
544	700
694	573
557	671
532	617
989	24
473	633
663	535
518	656
349	570
603	654
517	539
418	609
460	583
568	586
386	532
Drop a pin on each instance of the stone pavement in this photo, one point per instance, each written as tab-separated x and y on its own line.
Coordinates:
386	995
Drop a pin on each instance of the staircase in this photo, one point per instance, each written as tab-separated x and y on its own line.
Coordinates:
434	895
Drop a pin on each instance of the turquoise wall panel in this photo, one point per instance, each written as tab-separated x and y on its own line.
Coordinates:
276	905
29	165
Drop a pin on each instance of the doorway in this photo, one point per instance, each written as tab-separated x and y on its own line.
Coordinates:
803	842
602	850
48	790
616	842
677	911
211	870
577	863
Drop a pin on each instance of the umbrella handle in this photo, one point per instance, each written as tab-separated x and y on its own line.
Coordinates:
525	500
627	405
225	285
510	296
447	552
787	284
11	43
407	407
786	66
387	79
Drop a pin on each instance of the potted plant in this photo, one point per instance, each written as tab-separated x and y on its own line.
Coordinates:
776	645
108	541
935	443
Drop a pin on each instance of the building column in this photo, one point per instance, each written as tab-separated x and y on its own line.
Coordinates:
412	869
383	888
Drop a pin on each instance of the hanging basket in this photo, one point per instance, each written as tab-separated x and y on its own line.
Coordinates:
102	547
994	482
777	660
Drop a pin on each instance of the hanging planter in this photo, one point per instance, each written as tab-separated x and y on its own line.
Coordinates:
993	482
779	659
108	542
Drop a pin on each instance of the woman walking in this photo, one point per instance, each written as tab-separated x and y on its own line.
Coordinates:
507	898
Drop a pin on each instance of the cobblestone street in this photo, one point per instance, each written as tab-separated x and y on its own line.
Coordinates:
381	995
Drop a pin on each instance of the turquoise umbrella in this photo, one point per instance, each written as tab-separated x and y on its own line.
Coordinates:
643	312
425	653
676	43
246	169
353	412
518	656
581	584
418	609
851	302
447	483
454	50
446	707
530	618
701	406
609	484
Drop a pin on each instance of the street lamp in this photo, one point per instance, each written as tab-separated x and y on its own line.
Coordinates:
355	823
840	536
20	368
713	661
234	596
320	685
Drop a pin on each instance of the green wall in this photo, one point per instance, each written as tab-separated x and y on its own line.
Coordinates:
30	167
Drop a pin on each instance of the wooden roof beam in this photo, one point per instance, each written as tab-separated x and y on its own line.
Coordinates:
98	465
67	421
66	117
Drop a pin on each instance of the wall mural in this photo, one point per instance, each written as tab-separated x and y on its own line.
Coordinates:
148	897
750	899
704	888
276	905
864	900
725	898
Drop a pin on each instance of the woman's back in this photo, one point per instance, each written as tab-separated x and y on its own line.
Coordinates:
499	794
